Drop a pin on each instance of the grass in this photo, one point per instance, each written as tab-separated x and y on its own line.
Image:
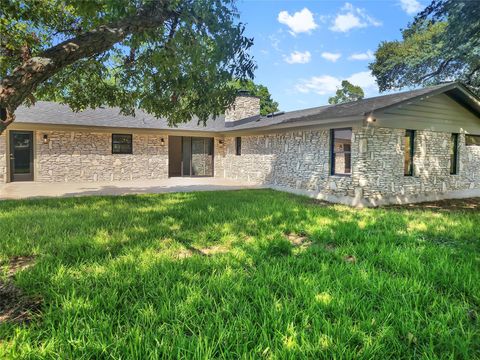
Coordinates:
114	284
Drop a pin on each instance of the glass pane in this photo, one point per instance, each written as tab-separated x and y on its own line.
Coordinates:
198	156
202	156
238	145
186	155
343	163
453	154
342	147
408	169
121	144
472	140
22	153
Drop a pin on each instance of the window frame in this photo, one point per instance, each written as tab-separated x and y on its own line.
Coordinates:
411	150
122	152
238	145
333	152
454	157
468	136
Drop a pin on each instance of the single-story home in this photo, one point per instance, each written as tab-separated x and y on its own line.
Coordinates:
412	146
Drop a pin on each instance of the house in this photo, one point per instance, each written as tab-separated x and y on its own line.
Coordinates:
407	147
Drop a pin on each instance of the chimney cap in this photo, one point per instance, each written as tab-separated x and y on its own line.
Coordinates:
246	93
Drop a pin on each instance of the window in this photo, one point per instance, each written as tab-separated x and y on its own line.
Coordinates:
472	140
121	143
454	154
341	151
409	148
238	146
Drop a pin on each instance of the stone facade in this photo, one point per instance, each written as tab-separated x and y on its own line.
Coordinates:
3	158
301	161
87	156
379	165
244	106
296	160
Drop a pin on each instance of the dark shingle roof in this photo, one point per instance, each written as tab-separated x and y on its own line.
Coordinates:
56	114
46	112
351	109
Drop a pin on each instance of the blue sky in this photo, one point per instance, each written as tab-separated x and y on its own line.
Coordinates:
303	49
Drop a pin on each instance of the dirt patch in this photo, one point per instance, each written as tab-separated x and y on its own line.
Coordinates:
14	305
206	251
330	247
350	259
471	204
18	263
299	240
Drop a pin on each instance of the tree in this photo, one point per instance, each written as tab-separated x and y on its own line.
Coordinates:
348	92
441	44
171	58
267	104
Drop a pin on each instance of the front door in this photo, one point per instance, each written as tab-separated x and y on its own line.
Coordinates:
21	155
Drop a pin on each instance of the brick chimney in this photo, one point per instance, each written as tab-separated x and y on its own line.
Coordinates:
245	106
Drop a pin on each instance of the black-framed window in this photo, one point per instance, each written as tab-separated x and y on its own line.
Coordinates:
122	144
341	151
472	140
238	145
409	151
454	154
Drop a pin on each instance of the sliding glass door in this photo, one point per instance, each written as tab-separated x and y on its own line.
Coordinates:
196	156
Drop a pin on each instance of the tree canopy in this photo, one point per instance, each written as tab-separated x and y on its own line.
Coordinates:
441	44
348	92
267	104
172	58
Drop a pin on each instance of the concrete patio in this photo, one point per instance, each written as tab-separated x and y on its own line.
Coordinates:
24	190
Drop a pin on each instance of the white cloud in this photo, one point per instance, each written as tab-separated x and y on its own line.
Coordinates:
351	17
364	79
327	84
333	57
275	41
411	7
368	55
298	57
321	85
299	22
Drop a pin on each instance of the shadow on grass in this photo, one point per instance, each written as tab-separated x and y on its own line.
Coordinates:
112	283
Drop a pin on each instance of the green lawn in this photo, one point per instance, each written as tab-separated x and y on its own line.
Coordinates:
211	275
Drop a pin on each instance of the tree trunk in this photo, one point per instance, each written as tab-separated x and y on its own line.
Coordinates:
15	88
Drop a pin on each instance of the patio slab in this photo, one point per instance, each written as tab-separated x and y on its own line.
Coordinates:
24	190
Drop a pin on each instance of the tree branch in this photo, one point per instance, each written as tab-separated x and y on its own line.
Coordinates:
440	69
15	88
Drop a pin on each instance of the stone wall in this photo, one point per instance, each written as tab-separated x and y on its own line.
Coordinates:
87	156
296	160
380	163
301	161
244	106
3	158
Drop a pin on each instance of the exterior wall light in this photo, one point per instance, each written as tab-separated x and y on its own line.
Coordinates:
221	142
162	141
371	119
45	139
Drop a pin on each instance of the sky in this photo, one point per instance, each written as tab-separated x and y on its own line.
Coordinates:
304	49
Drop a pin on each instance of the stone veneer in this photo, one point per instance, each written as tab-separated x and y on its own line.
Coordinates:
300	161
244	106
87	156
295	160
379	165
3	158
